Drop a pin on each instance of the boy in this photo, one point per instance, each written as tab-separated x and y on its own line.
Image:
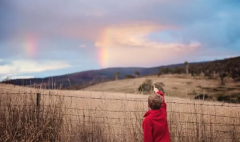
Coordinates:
155	125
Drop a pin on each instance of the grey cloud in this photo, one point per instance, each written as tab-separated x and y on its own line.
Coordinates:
196	20
52	17
219	32
53	48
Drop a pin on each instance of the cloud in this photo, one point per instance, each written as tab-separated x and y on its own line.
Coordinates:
83	46
81	19
19	67
135	35
143	56
17	77
122	42
161	31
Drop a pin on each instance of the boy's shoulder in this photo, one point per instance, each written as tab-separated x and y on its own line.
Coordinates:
150	113
147	114
155	114
147	119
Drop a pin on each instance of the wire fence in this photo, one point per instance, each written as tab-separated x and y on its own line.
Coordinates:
186	118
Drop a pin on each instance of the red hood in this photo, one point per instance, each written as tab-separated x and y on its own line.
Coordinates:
150	112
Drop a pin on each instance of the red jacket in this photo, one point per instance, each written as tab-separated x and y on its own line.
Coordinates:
155	125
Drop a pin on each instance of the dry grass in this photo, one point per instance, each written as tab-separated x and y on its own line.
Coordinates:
82	116
175	85
22	120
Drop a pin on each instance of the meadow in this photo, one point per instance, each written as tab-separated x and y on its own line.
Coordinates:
106	116
181	86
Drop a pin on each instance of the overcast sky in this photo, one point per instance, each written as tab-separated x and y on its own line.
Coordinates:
40	38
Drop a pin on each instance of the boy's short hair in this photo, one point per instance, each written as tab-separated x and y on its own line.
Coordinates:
155	101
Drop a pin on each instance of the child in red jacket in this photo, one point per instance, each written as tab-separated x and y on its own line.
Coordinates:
155	125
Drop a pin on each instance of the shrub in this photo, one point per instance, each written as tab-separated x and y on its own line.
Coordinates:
159	86
223	98
234	98
146	86
129	76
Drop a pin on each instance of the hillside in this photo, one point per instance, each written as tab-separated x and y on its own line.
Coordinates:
212	69
83	79
178	86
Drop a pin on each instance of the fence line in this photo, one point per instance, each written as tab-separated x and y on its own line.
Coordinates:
202	103
134	111
170	122
119	118
77	115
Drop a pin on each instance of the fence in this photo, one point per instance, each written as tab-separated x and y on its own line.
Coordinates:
121	118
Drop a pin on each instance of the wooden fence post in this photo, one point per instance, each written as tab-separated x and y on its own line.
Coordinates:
38	100
38	107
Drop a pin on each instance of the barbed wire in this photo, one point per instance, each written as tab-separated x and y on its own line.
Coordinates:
124	121
141	119
132	111
195	102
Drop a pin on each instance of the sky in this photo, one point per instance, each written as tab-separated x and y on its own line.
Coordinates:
54	37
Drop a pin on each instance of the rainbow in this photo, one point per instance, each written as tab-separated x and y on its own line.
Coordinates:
30	46
104	47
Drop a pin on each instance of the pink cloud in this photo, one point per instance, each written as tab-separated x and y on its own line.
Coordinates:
128	45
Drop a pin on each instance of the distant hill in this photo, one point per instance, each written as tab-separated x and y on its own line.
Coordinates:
86	78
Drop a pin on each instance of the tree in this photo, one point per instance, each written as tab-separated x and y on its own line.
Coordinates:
222	75
166	70
137	73
146	86
186	67
129	76
116	74
235	73
6	79
160	72
177	70
69	81
159	86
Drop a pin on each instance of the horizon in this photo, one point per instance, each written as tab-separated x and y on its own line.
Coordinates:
42	39
56	75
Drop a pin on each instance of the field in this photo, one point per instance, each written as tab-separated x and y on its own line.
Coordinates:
112	112
176	86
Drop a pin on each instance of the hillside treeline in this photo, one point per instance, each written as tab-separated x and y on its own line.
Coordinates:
219	68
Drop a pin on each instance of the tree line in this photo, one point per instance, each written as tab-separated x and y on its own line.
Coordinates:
215	69
127	76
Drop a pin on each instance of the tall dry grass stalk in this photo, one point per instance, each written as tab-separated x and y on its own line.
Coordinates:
96	117
22	120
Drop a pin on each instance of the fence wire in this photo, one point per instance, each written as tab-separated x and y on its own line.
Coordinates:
192	117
